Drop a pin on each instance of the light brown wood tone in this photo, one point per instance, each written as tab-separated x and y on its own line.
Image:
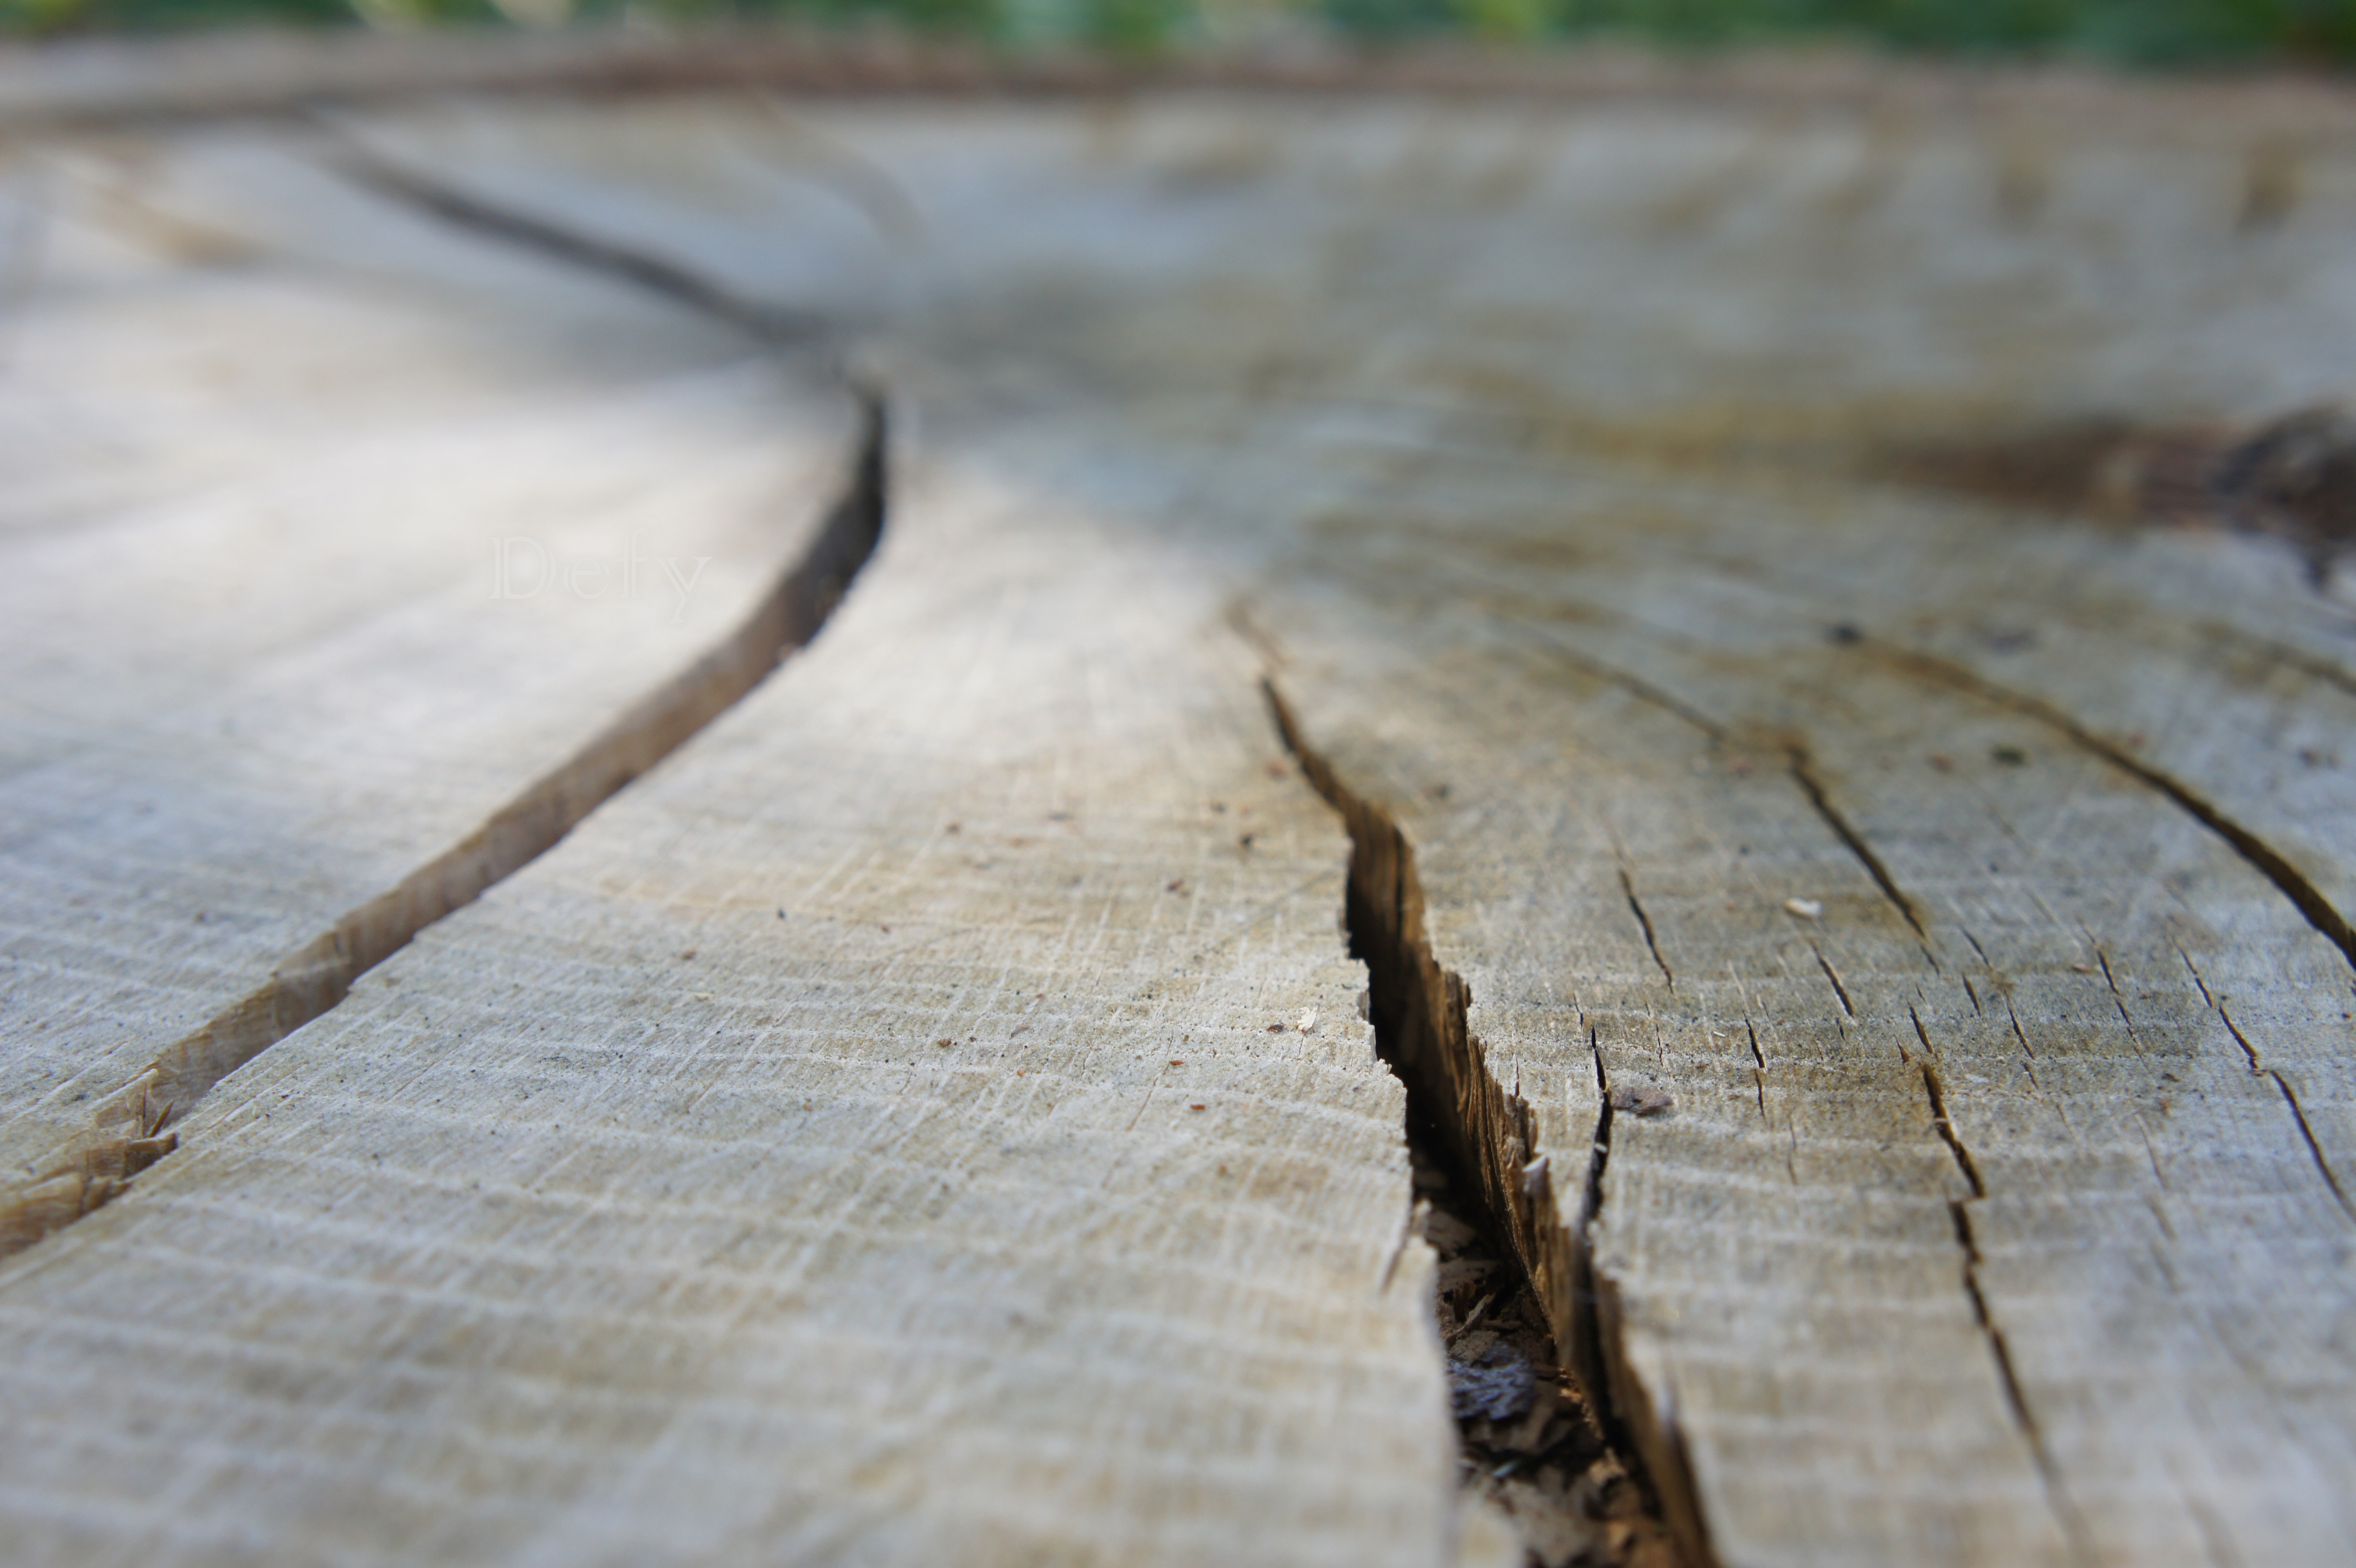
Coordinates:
1879	1291
927	1118
2003	1211
264	440
1908	1283
1546	455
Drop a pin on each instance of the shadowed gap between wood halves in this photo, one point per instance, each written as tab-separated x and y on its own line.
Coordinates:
130	1131
1462	1119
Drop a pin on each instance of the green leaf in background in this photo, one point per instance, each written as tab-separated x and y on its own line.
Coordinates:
2148	32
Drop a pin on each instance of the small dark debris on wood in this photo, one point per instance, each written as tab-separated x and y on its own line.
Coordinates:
1642	1099
1529	1443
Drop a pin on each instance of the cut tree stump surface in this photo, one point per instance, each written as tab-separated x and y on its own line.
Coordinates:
1851	851
302	597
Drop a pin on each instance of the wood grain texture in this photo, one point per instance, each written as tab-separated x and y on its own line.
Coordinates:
272	659
927	1118
1617	497
1982	1231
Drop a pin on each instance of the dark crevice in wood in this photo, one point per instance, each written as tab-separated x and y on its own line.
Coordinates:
2314	1149
2057	1496
1652	944
129	1130
1839	989
1469	1125
2267	861
654	274
1945	1127
1804	774
2290	1095
1529	1439
2290	1099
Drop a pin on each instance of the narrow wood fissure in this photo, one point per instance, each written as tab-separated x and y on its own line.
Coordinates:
1798	763
1833	976
2270	863
1651	945
2290	1099
2057	1496
1465	1125
131	1127
1804	774
772	325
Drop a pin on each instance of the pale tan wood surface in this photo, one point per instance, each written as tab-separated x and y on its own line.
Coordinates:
2129	1350
927	1119
263	437
2100	1321
1547	453
2159	1248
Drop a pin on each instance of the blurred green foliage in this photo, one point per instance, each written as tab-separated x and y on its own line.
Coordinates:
2156	32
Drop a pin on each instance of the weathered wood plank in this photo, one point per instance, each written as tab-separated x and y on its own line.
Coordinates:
2035	1104
270	659
927	1118
1967	1293
1565	465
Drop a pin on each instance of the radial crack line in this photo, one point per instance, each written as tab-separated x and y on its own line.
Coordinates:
2290	1099
1797	761
773	325
1419	1012
2269	862
1636	908
1804	774
130	1127
2057	1494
